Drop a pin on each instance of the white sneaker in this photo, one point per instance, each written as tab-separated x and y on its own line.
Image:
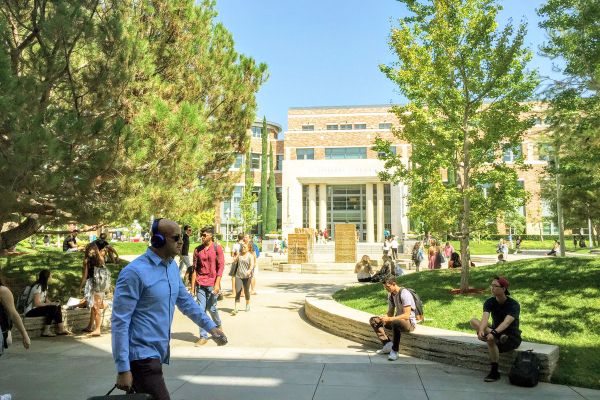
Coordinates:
6	397
393	356
386	348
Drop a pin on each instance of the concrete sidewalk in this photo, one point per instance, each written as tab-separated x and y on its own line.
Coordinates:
273	353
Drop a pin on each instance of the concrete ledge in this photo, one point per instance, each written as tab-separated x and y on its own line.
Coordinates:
441	345
478	260
73	319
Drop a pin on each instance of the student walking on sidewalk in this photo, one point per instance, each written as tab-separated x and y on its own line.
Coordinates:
245	269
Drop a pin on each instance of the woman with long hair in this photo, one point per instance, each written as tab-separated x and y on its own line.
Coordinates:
93	259
246	262
364	269
40	307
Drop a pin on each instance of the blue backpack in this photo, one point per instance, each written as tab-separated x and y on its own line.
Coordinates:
256	249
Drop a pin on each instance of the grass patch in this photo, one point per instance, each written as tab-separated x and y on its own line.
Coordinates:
18	271
560	303
488	247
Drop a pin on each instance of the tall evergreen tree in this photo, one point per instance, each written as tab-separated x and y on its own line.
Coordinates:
117	110
264	170
467	88
272	210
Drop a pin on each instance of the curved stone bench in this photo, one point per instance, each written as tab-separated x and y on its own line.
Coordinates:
74	320
435	344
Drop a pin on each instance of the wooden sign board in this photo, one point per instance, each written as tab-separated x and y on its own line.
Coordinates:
345	243
300	248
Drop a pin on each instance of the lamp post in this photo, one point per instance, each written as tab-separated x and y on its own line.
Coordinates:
227	249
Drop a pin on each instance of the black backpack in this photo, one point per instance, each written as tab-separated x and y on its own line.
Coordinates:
525	370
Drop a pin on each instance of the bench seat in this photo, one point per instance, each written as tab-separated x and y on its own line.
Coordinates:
74	320
435	344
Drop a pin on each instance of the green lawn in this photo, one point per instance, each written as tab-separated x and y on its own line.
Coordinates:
18	271
560	304
488	247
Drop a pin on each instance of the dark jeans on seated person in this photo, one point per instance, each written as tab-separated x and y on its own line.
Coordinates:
50	312
365	279
397	328
148	378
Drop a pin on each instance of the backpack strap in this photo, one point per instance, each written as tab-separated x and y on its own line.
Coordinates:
216	255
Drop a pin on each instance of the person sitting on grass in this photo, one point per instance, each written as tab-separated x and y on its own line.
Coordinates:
500	259
399	318
555	248
106	249
70	243
364	269
504	334
39	307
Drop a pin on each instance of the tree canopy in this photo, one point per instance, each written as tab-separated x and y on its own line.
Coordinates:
117	110
468	89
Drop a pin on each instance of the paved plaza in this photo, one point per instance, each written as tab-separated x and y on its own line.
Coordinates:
273	353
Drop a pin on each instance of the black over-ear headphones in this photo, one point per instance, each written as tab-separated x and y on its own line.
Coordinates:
157	241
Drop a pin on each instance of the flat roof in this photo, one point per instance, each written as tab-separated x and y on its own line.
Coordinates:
342	107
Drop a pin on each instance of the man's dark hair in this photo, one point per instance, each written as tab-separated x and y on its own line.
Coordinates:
208	229
241	236
389	280
103	236
75	231
186	227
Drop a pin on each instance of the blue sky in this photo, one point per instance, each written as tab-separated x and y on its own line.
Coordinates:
327	52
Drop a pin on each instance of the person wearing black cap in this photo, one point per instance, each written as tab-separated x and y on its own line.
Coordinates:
504	335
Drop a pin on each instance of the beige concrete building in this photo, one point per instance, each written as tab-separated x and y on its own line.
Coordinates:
327	173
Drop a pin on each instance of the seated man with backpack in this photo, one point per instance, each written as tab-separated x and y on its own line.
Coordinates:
401	316
504	334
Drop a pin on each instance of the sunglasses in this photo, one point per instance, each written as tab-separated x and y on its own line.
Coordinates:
176	238
205	234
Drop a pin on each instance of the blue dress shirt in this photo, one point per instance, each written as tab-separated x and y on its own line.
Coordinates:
143	307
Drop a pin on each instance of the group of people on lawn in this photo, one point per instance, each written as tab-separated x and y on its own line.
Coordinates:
149	287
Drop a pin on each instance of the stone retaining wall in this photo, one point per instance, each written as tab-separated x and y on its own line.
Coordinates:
74	320
444	346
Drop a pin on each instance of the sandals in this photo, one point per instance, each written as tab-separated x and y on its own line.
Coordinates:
65	333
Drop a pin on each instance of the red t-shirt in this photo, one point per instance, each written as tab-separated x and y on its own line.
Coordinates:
205	263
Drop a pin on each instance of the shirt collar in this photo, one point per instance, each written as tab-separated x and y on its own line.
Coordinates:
155	257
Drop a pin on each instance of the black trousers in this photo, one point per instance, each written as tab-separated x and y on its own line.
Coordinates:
50	312
397	327
394	253
148	378
239	283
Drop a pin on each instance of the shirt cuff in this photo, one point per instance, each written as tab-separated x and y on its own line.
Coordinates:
123	366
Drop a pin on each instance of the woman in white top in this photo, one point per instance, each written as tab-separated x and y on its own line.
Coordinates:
93	259
38	306
245	262
364	269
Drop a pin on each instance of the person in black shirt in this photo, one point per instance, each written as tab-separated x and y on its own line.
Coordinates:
106	249
504	335
184	258
70	243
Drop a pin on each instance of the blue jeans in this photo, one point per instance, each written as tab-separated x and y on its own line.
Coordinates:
207	302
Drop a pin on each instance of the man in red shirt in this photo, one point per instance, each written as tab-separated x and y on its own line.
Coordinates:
209	262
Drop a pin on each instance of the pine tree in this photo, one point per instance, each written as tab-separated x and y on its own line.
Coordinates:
114	111
264	170
272	210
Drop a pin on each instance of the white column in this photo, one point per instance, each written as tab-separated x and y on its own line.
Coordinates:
380	203
312	205
370	226
322	206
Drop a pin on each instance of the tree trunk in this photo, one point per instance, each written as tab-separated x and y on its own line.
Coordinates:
598	234
25	229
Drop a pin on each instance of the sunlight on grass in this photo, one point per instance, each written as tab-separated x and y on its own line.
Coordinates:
560	303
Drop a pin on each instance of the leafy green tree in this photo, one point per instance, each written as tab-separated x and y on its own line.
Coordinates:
264	171
117	110
272	210
467	87
574	107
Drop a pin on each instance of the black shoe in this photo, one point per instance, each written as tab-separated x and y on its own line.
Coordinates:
492	377
221	298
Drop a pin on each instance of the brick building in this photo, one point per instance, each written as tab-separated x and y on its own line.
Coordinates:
326	172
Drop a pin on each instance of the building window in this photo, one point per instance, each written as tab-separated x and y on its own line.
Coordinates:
239	160
360	126
510	153
256	132
279	162
380	154
345	153
332	127
522	209
235	201
346	127
308	127
545	151
255	159
385	126
305	154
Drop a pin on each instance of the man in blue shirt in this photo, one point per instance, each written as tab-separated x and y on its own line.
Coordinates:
146	293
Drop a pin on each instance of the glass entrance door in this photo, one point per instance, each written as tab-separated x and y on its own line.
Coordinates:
346	205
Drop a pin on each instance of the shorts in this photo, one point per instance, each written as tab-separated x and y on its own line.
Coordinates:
513	342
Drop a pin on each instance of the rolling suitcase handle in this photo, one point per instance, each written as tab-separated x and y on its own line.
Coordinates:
133	396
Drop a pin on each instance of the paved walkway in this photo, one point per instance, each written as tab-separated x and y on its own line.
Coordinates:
273	353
